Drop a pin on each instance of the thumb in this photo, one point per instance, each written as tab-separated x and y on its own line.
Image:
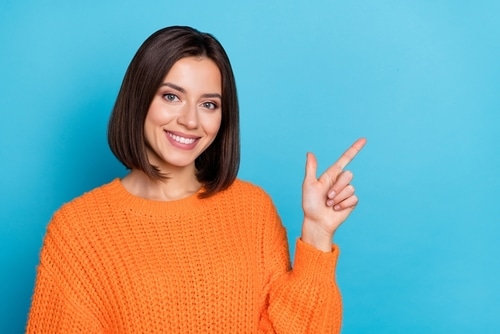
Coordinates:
311	166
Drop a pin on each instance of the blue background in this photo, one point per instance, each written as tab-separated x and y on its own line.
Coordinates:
420	79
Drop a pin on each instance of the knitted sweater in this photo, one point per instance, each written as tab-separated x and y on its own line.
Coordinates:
112	262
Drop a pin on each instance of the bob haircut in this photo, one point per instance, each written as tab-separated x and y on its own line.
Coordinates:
217	166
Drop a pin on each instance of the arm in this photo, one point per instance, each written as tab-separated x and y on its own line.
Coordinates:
59	303
306	299
53	311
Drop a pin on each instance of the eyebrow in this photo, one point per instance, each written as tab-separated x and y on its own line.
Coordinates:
182	90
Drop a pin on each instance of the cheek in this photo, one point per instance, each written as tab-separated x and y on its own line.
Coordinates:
217	125
217	122
148	132
155	114
212	123
152	122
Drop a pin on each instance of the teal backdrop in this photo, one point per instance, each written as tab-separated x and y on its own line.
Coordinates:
419	79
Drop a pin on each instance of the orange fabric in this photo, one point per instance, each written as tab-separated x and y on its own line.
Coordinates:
115	263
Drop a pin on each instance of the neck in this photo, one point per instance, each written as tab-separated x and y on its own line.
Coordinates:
177	186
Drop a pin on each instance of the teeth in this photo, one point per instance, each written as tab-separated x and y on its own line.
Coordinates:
181	140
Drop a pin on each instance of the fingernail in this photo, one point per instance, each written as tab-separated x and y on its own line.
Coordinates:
336	207
331	194
329	202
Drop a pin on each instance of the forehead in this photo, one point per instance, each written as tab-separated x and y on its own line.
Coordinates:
195	72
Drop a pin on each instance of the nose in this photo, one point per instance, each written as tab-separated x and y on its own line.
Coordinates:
188	116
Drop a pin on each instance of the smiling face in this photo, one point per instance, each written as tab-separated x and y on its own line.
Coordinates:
185	114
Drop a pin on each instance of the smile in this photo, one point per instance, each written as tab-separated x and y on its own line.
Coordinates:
181	140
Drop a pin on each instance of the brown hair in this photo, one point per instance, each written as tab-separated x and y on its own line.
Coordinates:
218	165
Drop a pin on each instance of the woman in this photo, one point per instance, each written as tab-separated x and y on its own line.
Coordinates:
180	245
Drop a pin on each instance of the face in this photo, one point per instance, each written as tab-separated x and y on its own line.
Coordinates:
185	114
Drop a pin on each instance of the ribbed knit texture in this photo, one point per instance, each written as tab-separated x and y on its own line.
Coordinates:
116	263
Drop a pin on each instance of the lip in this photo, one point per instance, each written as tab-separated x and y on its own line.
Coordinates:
192	140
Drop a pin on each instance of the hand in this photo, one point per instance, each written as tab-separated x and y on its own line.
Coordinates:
327	201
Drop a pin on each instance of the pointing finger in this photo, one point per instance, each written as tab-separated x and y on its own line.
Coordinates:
345	159
351	152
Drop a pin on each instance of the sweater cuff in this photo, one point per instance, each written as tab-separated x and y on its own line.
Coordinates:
311	261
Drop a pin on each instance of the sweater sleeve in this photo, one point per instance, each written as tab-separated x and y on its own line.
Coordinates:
304	299
59	303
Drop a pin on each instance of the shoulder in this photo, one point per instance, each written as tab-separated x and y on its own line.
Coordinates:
248	191
256	207
85	208
77	224
244	196
89	199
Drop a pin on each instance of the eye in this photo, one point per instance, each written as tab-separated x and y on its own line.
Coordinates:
209	105
170	97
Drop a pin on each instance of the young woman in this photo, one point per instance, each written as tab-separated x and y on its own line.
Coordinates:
180	245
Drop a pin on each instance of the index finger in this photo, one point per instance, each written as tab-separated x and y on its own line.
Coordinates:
349	155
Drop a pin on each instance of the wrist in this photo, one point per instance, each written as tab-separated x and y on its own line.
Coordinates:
317	237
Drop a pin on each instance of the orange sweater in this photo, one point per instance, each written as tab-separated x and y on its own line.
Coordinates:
115	263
